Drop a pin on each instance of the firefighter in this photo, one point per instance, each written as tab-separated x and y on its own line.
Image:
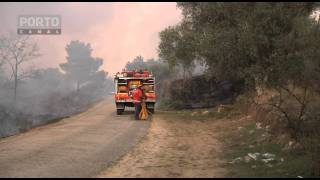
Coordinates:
138	97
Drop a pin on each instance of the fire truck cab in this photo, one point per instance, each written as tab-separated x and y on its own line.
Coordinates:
126	81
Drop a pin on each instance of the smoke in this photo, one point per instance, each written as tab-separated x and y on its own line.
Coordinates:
43	94
117	31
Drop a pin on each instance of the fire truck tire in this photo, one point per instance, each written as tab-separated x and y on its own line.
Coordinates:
151	110
120	111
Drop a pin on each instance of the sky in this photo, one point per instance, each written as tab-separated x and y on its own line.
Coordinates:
117	32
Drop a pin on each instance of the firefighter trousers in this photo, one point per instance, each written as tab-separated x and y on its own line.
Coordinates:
137	111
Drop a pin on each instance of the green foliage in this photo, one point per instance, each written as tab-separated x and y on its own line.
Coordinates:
259	42
177	46
159	69
271	45
249	40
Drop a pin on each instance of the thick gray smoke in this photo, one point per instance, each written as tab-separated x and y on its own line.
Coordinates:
31	96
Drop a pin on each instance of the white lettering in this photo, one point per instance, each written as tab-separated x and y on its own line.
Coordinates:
23	21
31	22
39	22
55	22
47	21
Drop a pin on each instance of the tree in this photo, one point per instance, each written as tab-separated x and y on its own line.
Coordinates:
247	40
80	65
16	51
266	44
136	64
159	69
177	46
269	45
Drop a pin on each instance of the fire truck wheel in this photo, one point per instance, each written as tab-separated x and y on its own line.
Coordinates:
119	111
151	110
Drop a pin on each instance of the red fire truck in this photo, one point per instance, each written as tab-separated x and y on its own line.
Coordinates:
126	81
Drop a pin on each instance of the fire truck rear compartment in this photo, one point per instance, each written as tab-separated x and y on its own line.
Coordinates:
124	87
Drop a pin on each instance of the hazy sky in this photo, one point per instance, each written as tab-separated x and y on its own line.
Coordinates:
117	32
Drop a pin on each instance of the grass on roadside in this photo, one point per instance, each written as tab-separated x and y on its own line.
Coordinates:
201	114
248	139
241	138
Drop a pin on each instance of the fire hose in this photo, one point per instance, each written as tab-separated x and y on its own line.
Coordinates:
144	114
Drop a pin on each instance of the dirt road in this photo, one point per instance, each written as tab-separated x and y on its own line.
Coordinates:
80	146
174	148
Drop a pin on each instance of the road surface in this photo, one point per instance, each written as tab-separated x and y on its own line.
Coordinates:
80	146
174	147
